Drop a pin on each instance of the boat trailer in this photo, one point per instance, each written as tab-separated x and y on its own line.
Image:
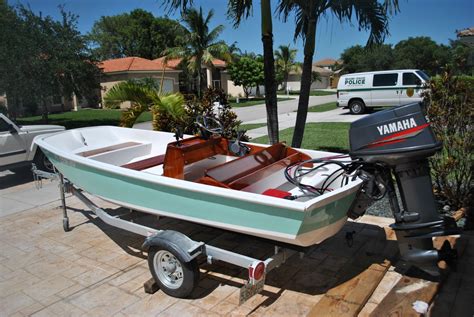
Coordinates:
172	255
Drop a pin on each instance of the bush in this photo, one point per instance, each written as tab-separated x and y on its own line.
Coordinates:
205	106
450	108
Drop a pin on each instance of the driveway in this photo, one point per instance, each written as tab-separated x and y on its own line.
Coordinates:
19	193
258	112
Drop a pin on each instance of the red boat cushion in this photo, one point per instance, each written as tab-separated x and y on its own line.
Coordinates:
276	193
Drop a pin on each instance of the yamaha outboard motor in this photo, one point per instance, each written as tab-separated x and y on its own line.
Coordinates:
396	143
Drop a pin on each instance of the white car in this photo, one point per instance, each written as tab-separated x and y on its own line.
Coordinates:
17	147
360	91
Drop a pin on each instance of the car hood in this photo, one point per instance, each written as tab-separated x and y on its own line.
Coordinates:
41	127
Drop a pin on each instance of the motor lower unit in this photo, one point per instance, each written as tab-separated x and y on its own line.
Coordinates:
394	145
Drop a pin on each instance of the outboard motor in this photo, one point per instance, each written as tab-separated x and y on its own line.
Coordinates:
396	143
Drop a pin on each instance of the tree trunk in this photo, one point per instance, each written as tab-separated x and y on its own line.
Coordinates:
199	75
305	88
269	71
45	110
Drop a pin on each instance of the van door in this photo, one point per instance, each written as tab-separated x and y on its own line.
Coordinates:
385	90
410	91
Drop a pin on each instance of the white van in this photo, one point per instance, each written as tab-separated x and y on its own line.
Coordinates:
360	91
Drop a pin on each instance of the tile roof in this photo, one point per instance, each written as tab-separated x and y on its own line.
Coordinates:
466	32
326	62
130	64
174	62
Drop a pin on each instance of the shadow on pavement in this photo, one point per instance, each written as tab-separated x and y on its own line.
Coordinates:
15	177
324	266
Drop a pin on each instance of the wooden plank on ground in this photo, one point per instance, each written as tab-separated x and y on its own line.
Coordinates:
399	301
348	298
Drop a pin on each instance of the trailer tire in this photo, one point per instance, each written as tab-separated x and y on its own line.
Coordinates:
357	107
42	162
172	273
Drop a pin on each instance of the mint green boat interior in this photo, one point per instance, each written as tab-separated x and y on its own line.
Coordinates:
93	158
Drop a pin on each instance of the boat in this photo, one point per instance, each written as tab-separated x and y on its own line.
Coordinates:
210	180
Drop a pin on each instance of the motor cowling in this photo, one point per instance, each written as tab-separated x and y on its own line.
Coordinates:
396	143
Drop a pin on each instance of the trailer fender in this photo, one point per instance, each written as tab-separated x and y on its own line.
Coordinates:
178	242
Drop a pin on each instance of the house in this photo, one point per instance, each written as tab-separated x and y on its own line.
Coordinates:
169	72
325	75
327	63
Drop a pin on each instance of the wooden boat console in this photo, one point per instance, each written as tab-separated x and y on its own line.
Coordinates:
187	151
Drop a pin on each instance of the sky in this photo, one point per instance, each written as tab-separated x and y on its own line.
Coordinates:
438	19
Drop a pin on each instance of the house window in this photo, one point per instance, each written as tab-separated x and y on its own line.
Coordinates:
385	79
411	79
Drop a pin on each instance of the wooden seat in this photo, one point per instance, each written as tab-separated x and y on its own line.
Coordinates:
231	171
108	149
146	163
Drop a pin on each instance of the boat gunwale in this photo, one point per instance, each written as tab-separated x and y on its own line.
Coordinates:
197	187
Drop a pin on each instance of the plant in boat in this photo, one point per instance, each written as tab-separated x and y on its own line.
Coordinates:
450	107
143	96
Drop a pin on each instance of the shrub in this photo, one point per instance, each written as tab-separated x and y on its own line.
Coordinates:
450	108
205	106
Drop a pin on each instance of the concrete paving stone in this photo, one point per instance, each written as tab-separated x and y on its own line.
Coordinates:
48	287
60	308
48	266
128	275
125	261
100	255
135	284
185	309
224	308
74	289
15	302
103	298
30	310
17	283
290	304
50	300
220	293
10	206
92	276
151	305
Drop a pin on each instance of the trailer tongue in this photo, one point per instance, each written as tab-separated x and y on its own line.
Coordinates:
396	143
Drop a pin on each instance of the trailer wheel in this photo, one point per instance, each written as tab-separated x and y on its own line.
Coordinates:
173	275
42	162
66	225
357	107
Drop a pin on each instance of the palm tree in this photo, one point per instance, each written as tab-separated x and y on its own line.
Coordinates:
370	14
144	95
238	10
201	43
285	61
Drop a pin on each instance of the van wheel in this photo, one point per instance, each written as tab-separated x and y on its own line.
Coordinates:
357	107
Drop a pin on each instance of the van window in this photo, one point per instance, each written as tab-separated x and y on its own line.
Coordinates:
385	79
423	75
411	79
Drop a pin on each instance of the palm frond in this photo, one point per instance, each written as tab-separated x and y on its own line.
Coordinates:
131	91
171	104
238	10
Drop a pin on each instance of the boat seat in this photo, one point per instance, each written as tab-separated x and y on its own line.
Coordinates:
146	163
231	171
107	149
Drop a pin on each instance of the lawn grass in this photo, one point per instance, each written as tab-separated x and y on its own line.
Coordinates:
251	102
83	118
324	136
323	108
311	93
251	126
